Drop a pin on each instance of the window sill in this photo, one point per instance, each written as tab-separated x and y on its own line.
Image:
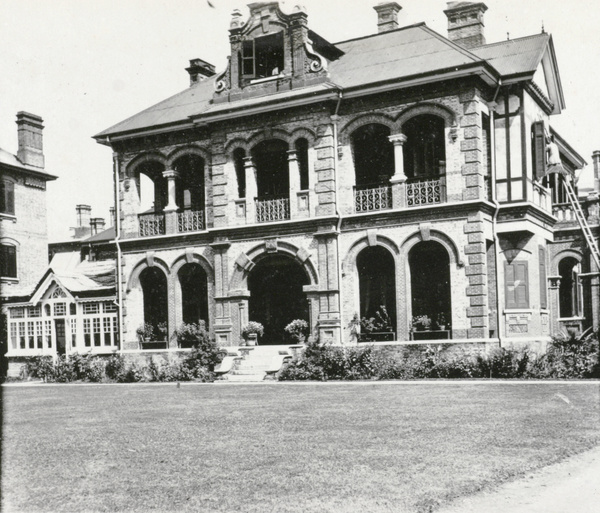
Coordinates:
266	79
518	311
570	319
8	217
6	279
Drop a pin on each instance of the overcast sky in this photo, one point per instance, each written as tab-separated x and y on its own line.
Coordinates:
86	65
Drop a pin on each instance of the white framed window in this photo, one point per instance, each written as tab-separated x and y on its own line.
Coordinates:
87	332
91	308
60	309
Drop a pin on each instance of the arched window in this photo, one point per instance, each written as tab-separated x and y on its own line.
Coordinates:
301	147
377	289
571	290
239	154
190	187
154	289
425	147
373	155
194	294
272	171
430	286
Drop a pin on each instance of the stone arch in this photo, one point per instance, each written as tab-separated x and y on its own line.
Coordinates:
426	108
188	150
303	133
150	156
365	119
148	261
236	143
566	253
436	236
265	135
246	261
349	263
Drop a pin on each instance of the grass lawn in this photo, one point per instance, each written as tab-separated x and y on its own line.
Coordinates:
343	447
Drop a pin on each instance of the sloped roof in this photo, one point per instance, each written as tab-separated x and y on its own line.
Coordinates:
104	236
515	56
9	159
389	57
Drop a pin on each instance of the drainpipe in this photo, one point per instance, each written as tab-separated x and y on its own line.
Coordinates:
334	120
496	212
118	301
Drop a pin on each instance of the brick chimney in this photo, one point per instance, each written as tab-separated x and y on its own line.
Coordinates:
31	149
465	23
97	225
199	70
387	16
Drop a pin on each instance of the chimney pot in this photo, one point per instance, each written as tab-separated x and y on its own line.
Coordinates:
199	70
31	148
387	16
465	23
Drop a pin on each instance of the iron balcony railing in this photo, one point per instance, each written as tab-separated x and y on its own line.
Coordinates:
370	198
423	192
275	209
190	221
151	224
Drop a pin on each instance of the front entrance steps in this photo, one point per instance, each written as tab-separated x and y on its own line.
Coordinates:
255	363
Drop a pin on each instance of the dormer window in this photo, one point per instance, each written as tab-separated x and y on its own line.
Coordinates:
263	57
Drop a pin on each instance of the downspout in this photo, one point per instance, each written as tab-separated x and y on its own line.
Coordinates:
334	120
119	301
496	211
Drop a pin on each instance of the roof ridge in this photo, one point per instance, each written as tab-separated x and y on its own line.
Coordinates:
531	36
452	44
420	24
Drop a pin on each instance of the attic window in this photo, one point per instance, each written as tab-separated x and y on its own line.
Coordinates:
262	57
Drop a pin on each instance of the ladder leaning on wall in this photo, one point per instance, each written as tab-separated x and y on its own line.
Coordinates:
585	227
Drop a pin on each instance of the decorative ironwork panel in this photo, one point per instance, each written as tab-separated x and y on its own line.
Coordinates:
272	210
190	220
376	198
423	192
151	224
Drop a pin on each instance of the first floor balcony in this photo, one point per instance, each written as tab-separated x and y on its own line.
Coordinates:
190	221
151	224
272	209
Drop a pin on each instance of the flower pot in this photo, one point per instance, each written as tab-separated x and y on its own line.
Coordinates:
251	339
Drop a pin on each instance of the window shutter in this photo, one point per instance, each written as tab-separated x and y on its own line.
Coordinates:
516	285
538	148
543	279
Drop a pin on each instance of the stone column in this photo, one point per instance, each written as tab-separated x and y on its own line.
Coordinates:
171	208
398	181
251	190
553	303
294	171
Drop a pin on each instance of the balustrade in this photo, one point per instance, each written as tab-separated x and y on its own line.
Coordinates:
190	221
276	209
423	192
151	224
369	199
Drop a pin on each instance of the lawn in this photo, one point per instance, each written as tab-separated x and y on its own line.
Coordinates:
340	447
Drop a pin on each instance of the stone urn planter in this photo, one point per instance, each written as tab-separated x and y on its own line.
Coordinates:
251	332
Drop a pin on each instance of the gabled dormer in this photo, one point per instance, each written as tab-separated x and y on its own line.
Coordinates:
272	51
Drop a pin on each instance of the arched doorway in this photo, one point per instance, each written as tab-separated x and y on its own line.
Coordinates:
377	291
277	296
570	291
194	294
430	284
154	289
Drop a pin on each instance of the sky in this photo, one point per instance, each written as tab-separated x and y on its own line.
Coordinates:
85	65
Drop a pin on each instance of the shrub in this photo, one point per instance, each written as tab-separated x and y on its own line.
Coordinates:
40	367
114	367
298	330
569	357
87	368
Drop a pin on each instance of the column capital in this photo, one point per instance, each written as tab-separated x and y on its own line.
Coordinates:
292	154
170	174
248	162
397	139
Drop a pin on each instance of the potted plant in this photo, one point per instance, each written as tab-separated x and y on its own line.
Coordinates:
145	332
421	323
298	330
251	332
441	321
162	330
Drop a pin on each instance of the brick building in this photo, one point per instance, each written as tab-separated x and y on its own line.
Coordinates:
23	221
402	176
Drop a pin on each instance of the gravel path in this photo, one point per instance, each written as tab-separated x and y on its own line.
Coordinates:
572	486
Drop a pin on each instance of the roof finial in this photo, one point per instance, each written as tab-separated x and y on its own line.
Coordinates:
543	30
508	36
